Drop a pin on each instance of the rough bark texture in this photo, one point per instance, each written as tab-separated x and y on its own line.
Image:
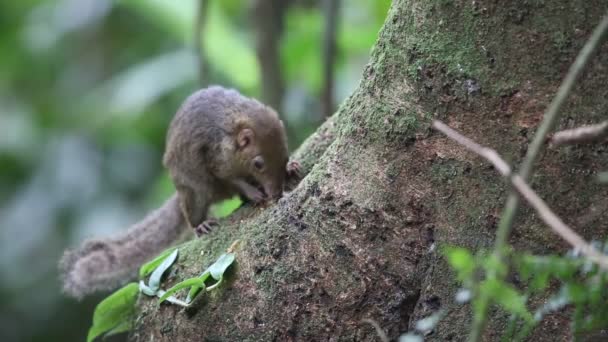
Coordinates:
352	241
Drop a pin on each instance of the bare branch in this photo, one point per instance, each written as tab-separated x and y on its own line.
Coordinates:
545	213
483	151
583	134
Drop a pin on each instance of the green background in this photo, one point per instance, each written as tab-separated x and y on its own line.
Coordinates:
87	88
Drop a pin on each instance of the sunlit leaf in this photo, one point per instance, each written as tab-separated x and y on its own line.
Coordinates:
143	288
156	276
492	264
122	328
150	266
216	271
226	207
114	311
194	290
576	293
219	267
182	285
540	280
507	297
461	261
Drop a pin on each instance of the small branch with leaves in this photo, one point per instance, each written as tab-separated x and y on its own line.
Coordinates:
550	119
546	214
115	313
196	284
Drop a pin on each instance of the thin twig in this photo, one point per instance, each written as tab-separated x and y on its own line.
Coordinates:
583	134
550	119
545	213
199	26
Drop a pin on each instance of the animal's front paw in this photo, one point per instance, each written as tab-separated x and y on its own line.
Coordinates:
294	170
205	227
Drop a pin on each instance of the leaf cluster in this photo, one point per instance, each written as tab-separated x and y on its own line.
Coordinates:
115	314
568	281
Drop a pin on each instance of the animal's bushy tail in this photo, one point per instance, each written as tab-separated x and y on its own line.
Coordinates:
103	264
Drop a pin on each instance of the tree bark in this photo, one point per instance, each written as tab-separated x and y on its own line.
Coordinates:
360	236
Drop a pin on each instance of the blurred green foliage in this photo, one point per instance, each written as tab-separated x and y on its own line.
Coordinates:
570	285
87	88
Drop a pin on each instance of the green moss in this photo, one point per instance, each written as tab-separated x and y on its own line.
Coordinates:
266	282
446	171
441	36
560	40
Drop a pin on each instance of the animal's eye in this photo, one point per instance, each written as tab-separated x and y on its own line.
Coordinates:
258	162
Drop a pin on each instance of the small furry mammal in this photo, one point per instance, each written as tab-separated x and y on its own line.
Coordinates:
219	144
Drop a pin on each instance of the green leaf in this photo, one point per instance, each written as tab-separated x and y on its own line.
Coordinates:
577	293
539	280
196	281
143	288
525	265
540	269
216	271
226	207
219	267
461	261
148	267
112	313
194	290
507	297
156	276
122	328
492	264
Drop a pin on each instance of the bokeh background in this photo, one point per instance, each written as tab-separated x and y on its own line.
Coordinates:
87	88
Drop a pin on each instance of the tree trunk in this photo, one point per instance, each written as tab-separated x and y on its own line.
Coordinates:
355	239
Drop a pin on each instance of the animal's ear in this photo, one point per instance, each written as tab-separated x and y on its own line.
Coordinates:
244	138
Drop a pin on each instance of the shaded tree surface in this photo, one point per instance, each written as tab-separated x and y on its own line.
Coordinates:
358	237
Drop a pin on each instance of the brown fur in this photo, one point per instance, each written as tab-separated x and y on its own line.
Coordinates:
211	144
